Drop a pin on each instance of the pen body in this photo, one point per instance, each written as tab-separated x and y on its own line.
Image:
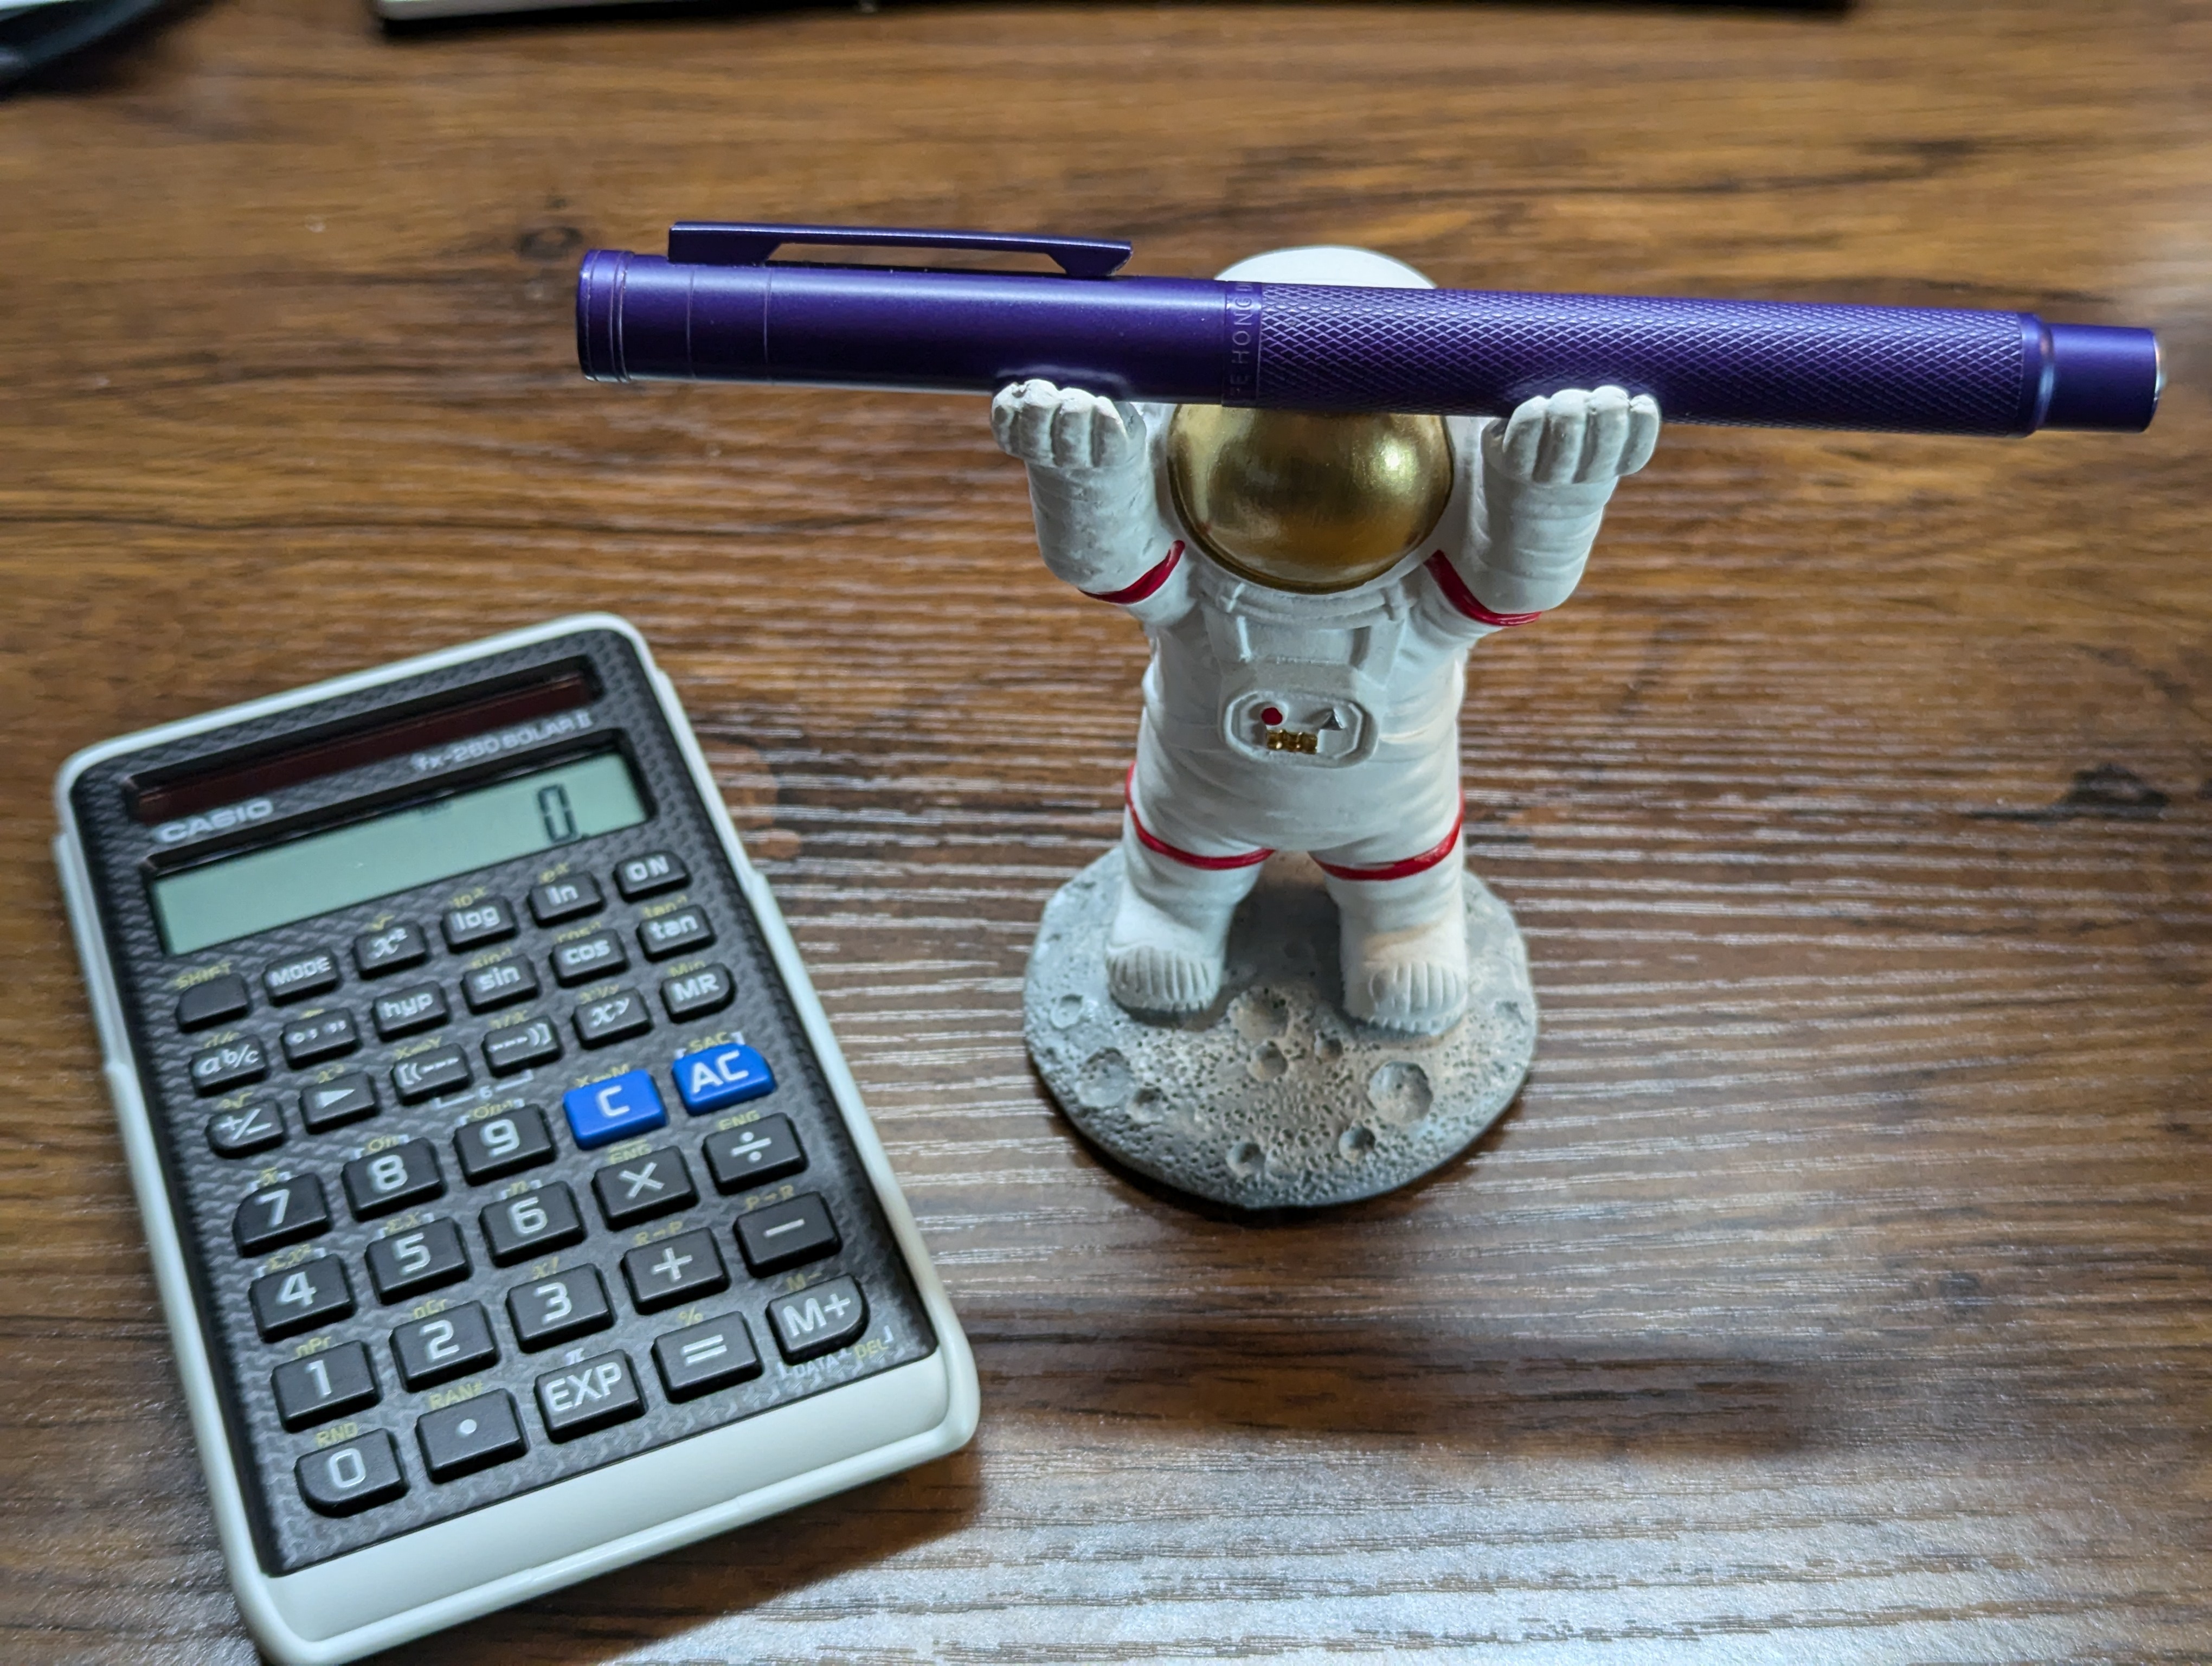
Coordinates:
1324	348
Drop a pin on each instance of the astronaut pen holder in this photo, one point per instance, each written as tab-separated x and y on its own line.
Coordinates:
1283	986
1314	483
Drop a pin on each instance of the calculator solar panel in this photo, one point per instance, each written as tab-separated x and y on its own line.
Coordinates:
498	1149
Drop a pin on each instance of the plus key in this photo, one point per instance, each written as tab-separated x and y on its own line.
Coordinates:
674	1270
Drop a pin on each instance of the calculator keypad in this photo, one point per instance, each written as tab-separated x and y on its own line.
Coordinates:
512	1246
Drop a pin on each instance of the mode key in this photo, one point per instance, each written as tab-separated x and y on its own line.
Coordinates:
295	979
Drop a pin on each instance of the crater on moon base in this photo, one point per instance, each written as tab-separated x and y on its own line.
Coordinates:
1274	1098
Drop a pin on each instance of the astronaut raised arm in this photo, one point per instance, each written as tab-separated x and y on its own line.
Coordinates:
1547	472
1092	489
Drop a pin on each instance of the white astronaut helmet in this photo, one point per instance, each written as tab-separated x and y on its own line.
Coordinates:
1310	501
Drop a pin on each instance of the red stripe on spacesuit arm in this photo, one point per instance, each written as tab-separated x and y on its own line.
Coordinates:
1160	847
1456	592
1405	868
1143	586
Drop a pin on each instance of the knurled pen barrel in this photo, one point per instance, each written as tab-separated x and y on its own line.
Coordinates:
717	309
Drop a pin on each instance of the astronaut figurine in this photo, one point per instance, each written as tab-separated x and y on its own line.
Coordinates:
1311	585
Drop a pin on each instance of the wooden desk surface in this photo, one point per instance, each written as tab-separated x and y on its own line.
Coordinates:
1838	1286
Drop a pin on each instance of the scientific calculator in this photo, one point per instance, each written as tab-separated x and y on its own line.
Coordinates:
514	1213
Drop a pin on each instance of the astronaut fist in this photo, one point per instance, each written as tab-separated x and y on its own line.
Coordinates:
1575	437
1064	428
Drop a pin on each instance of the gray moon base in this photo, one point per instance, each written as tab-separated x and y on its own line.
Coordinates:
1273	1097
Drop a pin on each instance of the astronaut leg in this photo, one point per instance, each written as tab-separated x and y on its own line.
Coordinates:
1180	885
1403	931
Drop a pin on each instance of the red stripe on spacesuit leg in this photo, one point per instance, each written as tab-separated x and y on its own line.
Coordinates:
1405	868
1160	847
1143	586
1456	592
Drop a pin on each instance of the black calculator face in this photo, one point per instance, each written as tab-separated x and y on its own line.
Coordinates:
495	1142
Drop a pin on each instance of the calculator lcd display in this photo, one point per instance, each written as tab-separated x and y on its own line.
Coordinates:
412	846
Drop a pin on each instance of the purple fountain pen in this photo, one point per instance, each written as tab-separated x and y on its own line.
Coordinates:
717	309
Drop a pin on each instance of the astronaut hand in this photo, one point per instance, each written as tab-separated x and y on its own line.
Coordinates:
1064	428
1575	437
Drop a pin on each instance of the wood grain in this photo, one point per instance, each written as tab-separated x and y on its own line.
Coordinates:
1838	1288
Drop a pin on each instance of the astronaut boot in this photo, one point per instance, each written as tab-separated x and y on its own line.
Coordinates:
1404	943
1170	928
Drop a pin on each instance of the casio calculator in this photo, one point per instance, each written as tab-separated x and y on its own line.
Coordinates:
513	1212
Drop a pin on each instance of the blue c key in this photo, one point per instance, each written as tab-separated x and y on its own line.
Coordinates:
600	1113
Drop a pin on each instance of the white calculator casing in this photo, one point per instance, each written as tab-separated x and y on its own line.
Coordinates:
505	1553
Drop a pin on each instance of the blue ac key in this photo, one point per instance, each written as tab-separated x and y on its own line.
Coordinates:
721	1076
601	1113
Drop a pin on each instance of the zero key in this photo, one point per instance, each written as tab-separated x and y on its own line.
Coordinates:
351	1477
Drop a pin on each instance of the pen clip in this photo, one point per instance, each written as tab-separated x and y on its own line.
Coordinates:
711	243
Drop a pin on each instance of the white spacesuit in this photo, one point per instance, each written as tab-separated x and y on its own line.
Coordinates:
1324	717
